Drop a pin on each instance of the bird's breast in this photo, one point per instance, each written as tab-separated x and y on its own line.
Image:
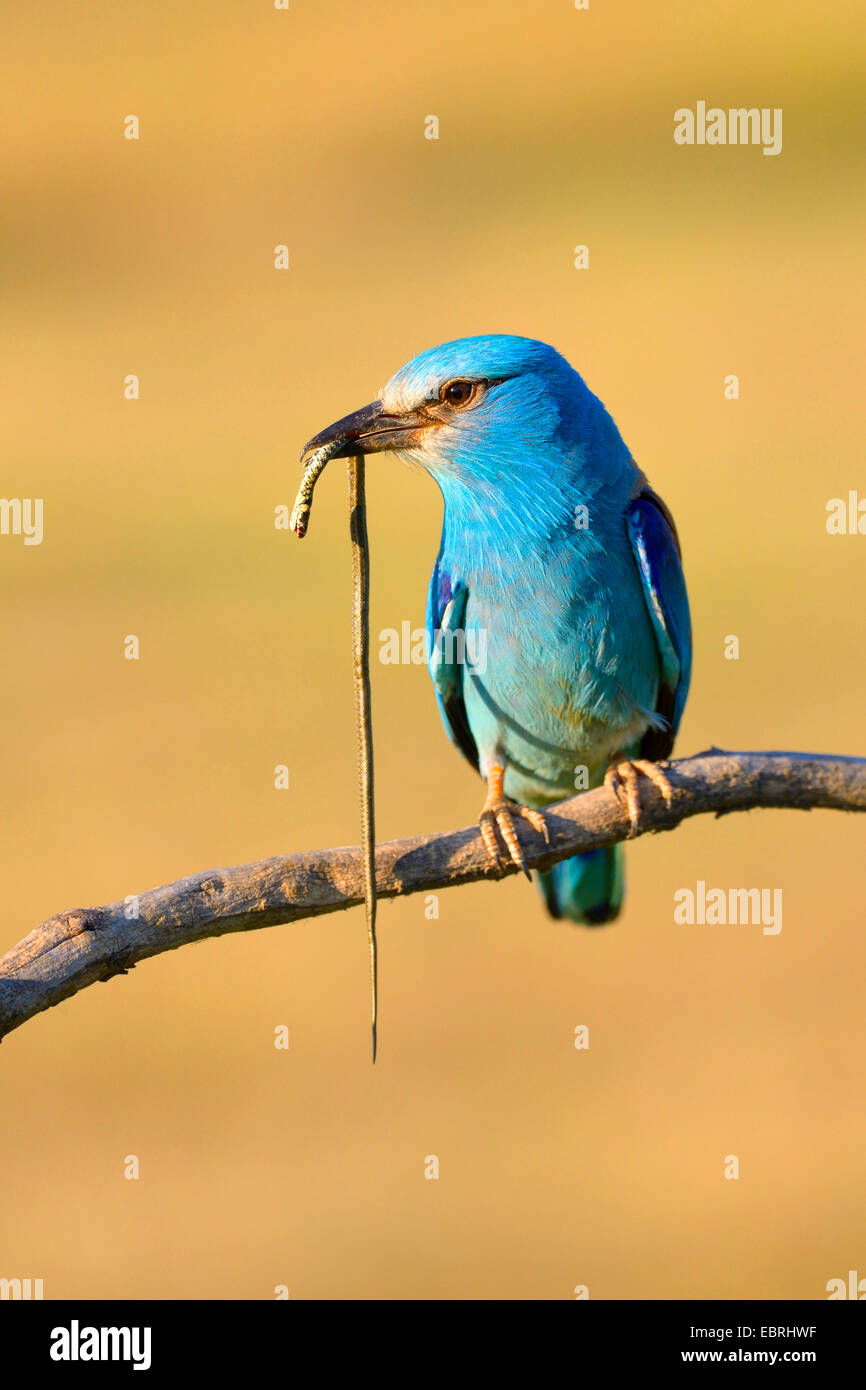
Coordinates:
567	669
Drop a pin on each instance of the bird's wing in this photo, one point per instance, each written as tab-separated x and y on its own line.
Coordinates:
656	546
446	607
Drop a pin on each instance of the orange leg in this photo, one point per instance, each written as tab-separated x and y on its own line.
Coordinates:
622	776
498	813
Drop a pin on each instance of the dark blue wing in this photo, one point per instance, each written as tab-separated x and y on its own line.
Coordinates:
446	607
654	539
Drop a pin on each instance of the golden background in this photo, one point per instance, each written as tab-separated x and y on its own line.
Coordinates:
306	1168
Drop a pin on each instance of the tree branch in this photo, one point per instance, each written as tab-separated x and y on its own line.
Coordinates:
74	949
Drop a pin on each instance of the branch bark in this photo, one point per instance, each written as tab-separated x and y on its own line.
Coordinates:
74	949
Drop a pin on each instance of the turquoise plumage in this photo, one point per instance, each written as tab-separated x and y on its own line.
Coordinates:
557	614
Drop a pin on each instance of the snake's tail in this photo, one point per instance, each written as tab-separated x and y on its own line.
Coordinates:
361	666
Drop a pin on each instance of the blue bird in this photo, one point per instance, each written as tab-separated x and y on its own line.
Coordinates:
557	618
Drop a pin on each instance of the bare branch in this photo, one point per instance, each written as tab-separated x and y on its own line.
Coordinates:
76	948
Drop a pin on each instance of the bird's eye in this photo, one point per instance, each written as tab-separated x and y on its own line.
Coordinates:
458	394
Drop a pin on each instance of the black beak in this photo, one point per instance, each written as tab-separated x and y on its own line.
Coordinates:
366	431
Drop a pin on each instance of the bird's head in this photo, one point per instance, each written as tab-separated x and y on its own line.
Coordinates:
463	409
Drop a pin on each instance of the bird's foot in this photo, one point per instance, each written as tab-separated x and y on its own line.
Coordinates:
498	813
622	779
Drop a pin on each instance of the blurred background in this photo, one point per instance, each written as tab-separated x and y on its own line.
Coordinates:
558	1167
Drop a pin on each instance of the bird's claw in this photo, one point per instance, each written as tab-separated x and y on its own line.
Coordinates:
499	815
623	777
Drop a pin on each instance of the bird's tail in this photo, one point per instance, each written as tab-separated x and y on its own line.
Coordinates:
588	888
